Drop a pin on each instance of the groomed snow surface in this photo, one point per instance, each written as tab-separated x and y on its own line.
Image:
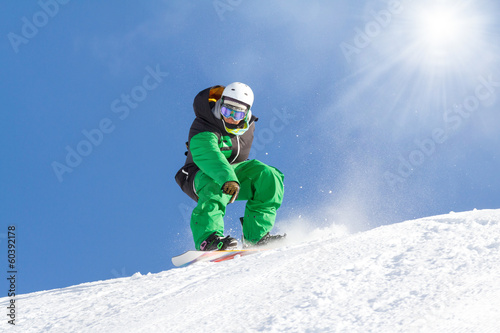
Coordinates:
436	274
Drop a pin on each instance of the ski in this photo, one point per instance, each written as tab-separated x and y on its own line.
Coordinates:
191	257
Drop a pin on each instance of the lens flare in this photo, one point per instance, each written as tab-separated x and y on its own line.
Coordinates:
439	26
426	57
442	31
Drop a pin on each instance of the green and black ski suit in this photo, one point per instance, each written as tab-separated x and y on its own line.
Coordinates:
215	157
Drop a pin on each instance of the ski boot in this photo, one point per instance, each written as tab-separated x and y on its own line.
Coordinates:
215	242
270	239
267	240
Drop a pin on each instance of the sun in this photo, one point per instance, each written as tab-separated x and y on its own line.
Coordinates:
440	30
447	33
439	26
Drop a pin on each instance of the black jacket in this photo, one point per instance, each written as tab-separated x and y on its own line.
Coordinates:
231	149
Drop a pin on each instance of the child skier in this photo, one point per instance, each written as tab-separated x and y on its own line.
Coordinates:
217	170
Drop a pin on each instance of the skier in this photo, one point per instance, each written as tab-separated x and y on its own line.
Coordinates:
217	170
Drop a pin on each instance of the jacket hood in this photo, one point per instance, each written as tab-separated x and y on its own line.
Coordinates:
201	104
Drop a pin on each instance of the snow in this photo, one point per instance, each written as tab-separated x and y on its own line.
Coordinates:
436	274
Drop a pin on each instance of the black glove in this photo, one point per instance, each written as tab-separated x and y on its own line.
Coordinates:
232	188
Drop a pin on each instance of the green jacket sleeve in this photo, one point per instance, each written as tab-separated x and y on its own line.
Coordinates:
204	148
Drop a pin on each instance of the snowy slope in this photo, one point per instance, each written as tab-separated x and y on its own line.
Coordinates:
437	274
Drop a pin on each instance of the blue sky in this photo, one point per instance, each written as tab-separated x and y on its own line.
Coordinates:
372	118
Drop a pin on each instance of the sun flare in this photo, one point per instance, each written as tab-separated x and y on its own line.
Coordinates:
440	27
441	30
429	58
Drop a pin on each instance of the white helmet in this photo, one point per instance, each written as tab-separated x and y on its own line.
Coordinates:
240	92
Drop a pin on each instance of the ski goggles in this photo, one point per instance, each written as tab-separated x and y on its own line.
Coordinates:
230	111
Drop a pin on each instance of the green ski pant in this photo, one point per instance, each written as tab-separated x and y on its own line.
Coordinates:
260	185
